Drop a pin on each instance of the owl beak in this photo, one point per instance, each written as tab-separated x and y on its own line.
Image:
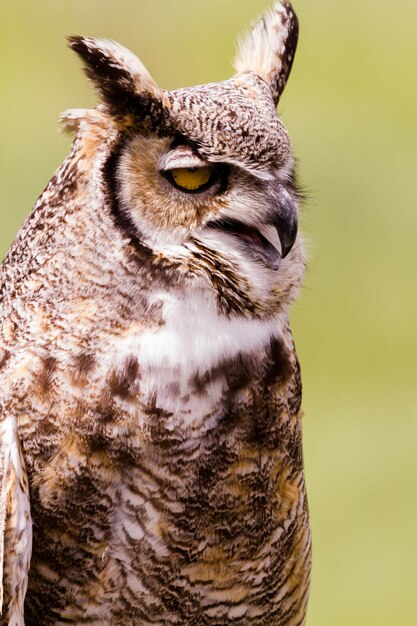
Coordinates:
272	241
284	219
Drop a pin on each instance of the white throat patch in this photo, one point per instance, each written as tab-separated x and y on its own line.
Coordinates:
194	339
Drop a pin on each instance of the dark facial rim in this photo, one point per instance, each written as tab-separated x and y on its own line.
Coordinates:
121	218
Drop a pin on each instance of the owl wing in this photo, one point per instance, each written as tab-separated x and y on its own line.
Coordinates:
15	524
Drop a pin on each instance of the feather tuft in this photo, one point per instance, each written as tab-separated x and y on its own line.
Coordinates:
269	49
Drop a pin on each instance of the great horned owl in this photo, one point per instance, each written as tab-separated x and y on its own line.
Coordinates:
151	457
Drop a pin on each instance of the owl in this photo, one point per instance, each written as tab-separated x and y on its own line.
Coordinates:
150	423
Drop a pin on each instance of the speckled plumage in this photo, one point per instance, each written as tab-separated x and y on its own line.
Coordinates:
150	432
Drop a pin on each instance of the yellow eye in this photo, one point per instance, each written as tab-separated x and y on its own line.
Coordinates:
191	179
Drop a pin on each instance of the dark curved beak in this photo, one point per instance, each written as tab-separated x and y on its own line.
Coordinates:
284	217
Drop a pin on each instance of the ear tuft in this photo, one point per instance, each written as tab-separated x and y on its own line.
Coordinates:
269	49
124	84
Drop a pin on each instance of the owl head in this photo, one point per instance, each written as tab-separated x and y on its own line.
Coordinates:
202	178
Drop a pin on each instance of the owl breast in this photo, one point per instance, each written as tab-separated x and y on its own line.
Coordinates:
180	475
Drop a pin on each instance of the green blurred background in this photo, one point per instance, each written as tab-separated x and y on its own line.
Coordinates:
351	108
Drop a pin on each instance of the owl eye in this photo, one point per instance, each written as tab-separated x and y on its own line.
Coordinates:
188	171
191	179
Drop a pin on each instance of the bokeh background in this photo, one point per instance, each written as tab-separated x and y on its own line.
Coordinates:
351	108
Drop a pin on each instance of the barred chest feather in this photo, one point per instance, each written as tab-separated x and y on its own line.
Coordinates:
185	486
